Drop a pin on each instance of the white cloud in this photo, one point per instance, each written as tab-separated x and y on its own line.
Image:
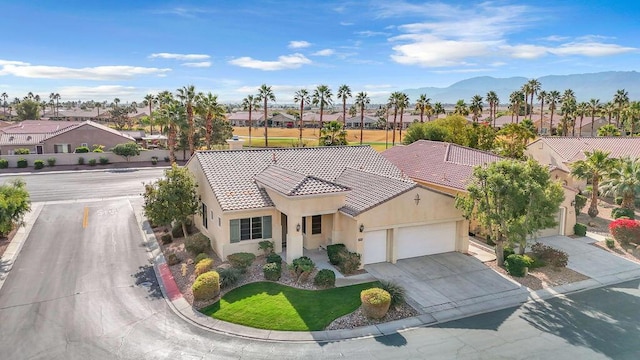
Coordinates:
344	23
369	33
202	64
555	38
298	44
11	62
185	12
292	61
26	70
324	52
182	57
430	51
525	51
97	92
591	49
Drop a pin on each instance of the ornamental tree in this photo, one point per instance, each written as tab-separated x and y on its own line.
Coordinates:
14	204
126	150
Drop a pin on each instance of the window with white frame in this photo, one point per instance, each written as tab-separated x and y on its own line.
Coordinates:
250	228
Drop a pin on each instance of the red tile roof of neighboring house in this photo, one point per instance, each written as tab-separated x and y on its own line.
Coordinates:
38	126
572	149
439	163
244	115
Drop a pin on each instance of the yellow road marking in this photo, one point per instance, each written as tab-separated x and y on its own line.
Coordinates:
85	219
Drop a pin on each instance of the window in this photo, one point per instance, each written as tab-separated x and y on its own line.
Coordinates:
62	148
316	224
205	219
250	228
84	145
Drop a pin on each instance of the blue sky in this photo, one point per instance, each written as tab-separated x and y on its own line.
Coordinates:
101	50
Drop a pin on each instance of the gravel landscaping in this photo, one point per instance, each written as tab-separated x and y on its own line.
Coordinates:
544	277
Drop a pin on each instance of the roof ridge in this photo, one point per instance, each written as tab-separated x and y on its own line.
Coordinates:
404	179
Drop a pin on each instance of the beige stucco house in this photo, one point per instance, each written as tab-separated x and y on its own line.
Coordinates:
448	168
306	198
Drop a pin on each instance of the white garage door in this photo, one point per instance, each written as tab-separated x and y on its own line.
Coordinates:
554	230
375	247
426	240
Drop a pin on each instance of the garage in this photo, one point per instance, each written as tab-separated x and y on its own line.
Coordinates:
423	240
375	247
556	230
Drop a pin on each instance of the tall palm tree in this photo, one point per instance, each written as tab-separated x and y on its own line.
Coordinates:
4	97
594	167
582	109
403	103
423	105
526	90
187	94
609	108
249	104
392	102
534	88
553	98
150	100
209	108
265	94
624	180
493	100
594	107
631	116
98	106
322	97
620	98
302	96
542	95
174	114
344	92
362	100
164	99
476	107
569	106
461	108
516	99
438	109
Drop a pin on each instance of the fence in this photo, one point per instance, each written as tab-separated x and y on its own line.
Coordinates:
72	158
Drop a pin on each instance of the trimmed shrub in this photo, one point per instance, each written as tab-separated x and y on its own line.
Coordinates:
97	148
200	257
104	160
274	258
325	278
301	268
610	243
93	162
272	271
203	266
618	213
396	291
154	160
38	164
332	253
80	160
625	231
172	259
618	200
549	255
349	262
516	264
51	162
21	151
206	286
22	163
166	159
229	277
506	252
375	302
81	149
166	238
241	260
580	201
4	163
266	246
197	243
580	229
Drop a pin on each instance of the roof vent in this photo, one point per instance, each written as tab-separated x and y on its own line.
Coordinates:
10	138
274	158
28	137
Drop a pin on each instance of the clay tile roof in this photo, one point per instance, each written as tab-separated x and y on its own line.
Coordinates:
293	183
572	149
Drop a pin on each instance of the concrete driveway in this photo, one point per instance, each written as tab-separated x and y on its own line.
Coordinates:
450	285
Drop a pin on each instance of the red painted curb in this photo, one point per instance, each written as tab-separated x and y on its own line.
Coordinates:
169	282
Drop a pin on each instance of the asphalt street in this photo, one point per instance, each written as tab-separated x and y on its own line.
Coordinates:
83	288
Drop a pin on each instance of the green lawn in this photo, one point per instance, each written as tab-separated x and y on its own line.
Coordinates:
267	305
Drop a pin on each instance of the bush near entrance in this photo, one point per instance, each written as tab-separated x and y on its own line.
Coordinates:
580	229
625	231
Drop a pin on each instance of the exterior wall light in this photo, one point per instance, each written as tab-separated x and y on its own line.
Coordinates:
417	199
361	227
298	228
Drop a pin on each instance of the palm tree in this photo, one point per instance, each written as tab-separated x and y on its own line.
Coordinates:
631	116
98	106
423	105
526	90
624	181
362	100
476	107
344	92
461	108
608	130
593	168
533	87
265	94
187	94
332	134
493	100
553	98
4	97
515	99
609	108
249	104
569	108
403	103
322	97
209	108
393	102
438	109
150	100
594	107
164	99
302	96
582	109
542	95
620	98
173	113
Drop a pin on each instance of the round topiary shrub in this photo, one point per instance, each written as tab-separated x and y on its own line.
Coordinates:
517	265
274	258
272	271
206	286
22	163
4	163
166	238
580	229
38	164
51	162
93	162
200	257
375	302
241	260
325	278
196	244
203	266
172	259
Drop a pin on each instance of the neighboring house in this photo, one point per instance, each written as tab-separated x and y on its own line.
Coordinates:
283	120
306	198
241	118
312	119
449	167
370	122
45	137
503	120
407	119
88	114
586	126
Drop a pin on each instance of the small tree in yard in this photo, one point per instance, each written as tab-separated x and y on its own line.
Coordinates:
14	204
126	150
513	200
172	198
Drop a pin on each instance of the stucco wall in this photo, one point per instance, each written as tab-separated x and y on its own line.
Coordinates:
84	134
72	159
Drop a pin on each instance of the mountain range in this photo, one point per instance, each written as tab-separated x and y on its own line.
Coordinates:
602	85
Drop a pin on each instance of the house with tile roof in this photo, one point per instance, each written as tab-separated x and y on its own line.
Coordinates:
306	198
241	118
448	168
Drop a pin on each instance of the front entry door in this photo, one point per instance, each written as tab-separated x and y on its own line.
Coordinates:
283	222
39	149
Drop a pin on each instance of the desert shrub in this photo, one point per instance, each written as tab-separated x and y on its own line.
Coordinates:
154	160
197	243
104	160
396	291
274	258
4	163
166	159
80	160
301	268
229	277
580	201
332	253
580	229
610	243
618	200
516	264
625	231
375	302
22	163
266	246
349	261
51	162
93	162
201	256
549	255
176	231
38	164
81	149
21	151
241	260
166	238
506	252
203	266
206	286
325	278
172	259
617	213
272	271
